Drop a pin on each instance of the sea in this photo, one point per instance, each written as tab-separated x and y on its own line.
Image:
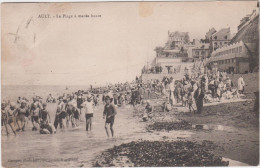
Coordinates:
70	147
12	92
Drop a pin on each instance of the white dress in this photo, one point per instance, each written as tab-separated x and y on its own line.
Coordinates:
240	83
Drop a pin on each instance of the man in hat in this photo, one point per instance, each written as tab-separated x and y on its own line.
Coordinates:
88	109
199	96
109	114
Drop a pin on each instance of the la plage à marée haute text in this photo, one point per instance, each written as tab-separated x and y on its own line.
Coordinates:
68	16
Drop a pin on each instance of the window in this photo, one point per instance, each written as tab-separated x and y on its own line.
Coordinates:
232	60
225	37
220	43
230	51
228	61
240	49
215	37
225	42
202	52
233	50
225	61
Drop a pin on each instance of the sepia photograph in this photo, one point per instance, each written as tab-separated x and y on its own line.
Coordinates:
130	84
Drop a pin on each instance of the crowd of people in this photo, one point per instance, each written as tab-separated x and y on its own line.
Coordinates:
70	108
197	87
154	69
159	70
16	115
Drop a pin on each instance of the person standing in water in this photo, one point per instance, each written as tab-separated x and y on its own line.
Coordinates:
35	108
44	115
21	112
8	116
79	102
69	111
88	109
45	120
109	114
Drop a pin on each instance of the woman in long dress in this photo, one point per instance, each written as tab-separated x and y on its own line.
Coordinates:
240	84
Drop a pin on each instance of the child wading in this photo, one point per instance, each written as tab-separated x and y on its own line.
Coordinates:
109	114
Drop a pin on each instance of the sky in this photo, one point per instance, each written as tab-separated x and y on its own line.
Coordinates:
98	50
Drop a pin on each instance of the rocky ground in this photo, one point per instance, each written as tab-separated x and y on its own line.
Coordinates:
162	154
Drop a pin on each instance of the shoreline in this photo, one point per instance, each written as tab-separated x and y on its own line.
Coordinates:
231	138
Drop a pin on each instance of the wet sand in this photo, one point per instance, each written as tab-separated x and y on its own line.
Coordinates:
70	147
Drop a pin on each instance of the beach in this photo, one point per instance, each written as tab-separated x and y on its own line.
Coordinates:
231	126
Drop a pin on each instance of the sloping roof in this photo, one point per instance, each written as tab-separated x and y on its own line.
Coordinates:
222	34
249	33
177	33
210	32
